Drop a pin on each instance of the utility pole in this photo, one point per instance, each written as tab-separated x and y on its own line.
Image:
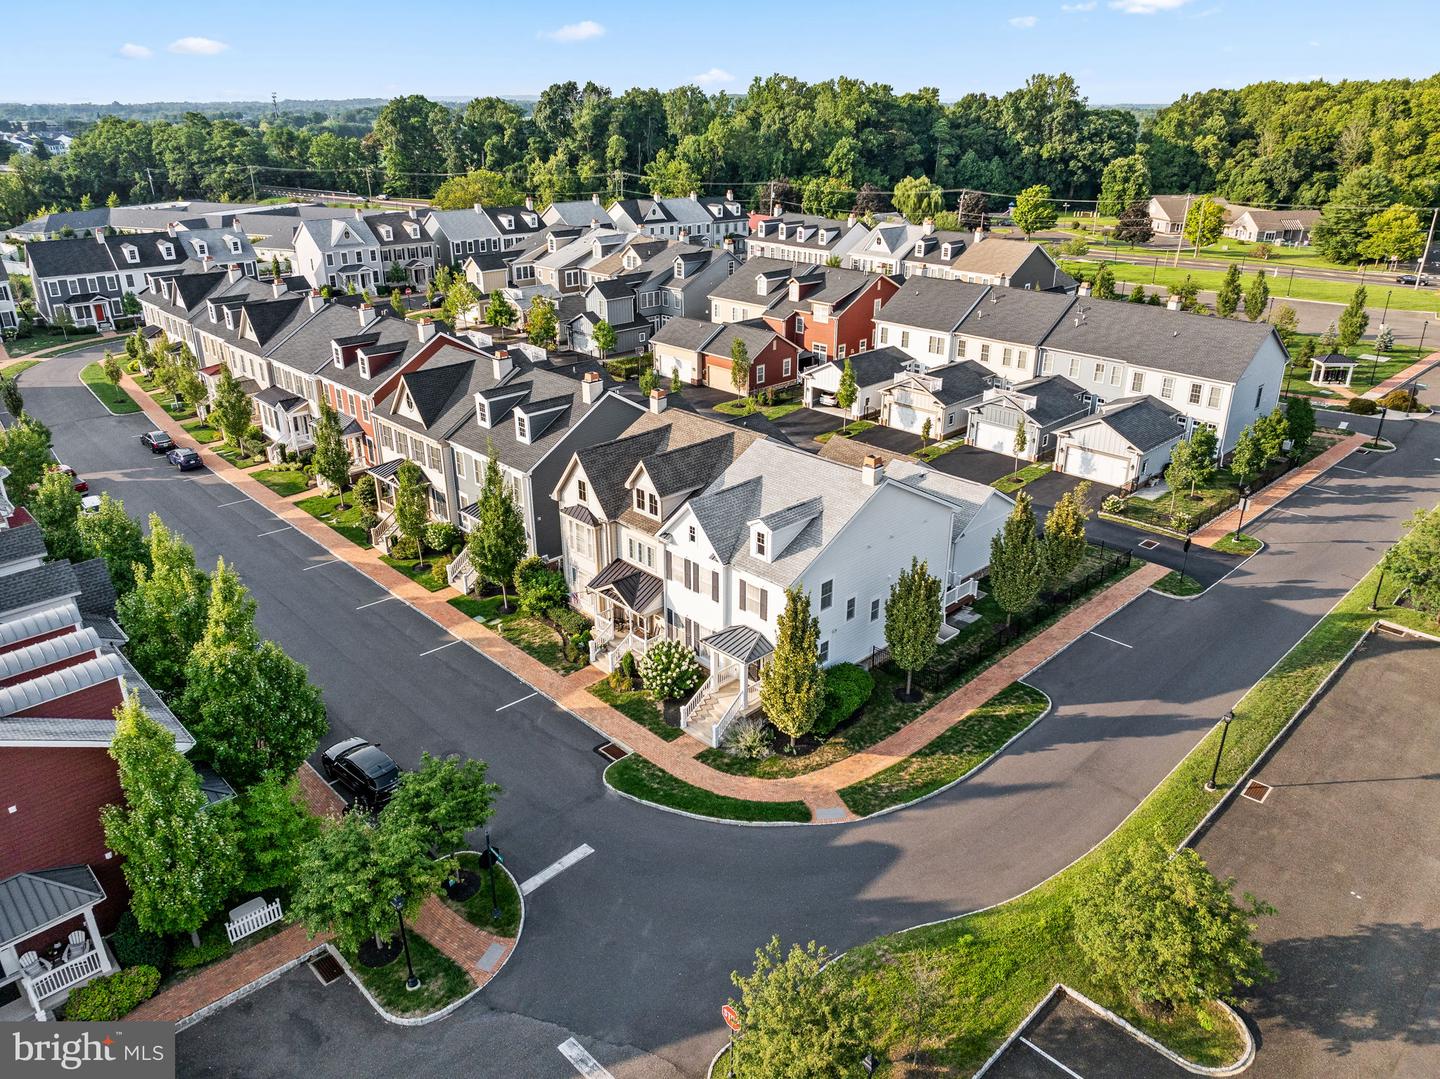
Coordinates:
1429	239
368	191
1180	240
151	179
254	191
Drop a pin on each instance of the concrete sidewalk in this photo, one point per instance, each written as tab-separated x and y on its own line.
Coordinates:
1395	381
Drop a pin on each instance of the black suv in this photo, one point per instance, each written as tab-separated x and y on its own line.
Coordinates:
370	773
158	441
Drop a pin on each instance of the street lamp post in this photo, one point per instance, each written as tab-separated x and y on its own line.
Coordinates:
493	857
1383	410
1244	501
1375	599
412	983
1220	749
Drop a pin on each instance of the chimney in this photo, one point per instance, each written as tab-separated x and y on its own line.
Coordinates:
100	236
657	401
169	230
729	194
411	214
367	314
359	213
529	202
277	287
1084	289
1173	303
595	198
928	225
776	210
501	364
590	387
315	300
684	236
729	244
978	236
850	221
424	328
205	264
872	470
232	273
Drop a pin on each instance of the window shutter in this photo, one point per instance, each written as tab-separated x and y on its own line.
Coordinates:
669	567
764	593
715	585
742	595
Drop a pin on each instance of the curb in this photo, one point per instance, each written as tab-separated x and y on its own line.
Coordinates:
139	410
812	823
1204	591
245	990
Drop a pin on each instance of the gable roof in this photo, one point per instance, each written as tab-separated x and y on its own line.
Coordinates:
687	333
1056	398
952	383
931	303
1016	314
31	901
1143	421
20	543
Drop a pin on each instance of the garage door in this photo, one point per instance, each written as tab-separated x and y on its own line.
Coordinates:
905	418
1100	467
996	439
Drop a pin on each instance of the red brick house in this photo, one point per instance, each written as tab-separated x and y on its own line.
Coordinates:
700	352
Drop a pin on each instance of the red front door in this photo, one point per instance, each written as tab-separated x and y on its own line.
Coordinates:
99	313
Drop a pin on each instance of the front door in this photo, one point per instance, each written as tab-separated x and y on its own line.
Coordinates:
99	313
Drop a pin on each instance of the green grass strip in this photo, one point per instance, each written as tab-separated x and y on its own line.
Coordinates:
637	705
441	981
114	398
636	776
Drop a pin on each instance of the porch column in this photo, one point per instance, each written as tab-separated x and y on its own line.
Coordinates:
34	1000
744	687
97	940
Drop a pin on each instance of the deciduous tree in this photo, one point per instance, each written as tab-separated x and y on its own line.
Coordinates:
55	505
233	411
1133	225
1035	210
740	367
1204	222
1064	539
500	311
1227	296
443	799
412	506
604	338
272	826
1299	423
1017	560
25	451
497	543
912	619
848	391
1415	560
110	533
792	691
1104	287
1354	319
164	614
1257	295
1393	235
331	459
540	323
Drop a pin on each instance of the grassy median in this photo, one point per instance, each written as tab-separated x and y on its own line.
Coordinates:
636	776
442	982
114	398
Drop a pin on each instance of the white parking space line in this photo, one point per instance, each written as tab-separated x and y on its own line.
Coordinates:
1068	1071
272	532
584	1063
447	644
1112	640
235	503
373	602
320	565
1292	513
584	850
1347	468
512	704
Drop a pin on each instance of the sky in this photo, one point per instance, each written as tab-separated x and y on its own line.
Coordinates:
1119	51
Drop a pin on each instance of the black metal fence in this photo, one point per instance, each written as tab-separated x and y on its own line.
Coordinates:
952	663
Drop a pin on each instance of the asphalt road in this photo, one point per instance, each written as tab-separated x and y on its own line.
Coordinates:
629	951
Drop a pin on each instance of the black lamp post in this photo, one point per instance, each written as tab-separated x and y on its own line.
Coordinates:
492	856
1220	749
1383	410
1244	501
412	983
1379	581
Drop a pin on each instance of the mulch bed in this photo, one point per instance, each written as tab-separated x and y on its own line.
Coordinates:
463	887
373	957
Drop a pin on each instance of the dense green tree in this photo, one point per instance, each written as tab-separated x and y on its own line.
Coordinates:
1125	182
919	197
25	451
912	619
110	533
1017	560
1354	320
479	187
179	853
604	338
272	827
1203	222
1415	560
408	132
1299	423
164	615
232	411
1393	235
443	799
848	391
330	458
55	505
1104	286
412	505
1345	223
792	689
500	311
1257	296
540	323
1035	210
739	366
497	543
1064	541
10	395
1227	297
1286	323
1133	225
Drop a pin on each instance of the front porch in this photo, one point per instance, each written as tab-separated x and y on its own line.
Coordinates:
624	600
49	941
736	658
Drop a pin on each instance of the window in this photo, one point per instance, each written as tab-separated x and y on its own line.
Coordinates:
1115	375
1137	382
754	598
850	608
937	345
827	595
715	586
460	466
984	353
432	455
840	352
1195	390
1099	372
582	491
760	374
1259	393
639	499
1167	388
799	323
53	288
1022	358
861	347
874	610
654	506
785	368
759	543
821	351
386	439
904	338
1214	399
824	654
1005	357
1074	366
884	335
692	533
522	429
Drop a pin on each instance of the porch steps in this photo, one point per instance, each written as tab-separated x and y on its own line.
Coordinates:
711	711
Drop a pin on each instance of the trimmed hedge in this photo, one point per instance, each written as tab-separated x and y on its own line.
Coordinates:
1361	406
134	947
847	687
113	996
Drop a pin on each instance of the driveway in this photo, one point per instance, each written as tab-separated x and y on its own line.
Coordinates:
973	463
800	426
1046	491
1343	846
888	438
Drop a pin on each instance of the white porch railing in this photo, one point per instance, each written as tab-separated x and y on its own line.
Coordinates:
58	979
710	685
460	573
253	922
382	530
717	732
964	590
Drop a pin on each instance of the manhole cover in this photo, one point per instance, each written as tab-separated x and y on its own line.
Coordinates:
1148	545
1255	791
326	967
611	752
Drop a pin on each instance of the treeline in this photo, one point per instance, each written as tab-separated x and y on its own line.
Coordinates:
822	146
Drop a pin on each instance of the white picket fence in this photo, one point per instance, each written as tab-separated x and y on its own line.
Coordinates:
254	921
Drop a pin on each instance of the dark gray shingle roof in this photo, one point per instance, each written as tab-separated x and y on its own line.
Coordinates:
930	303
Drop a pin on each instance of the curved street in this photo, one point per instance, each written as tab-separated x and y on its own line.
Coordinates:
629	951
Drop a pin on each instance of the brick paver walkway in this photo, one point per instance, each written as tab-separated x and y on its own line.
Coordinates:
1395	381
817	790
1278	491
461	941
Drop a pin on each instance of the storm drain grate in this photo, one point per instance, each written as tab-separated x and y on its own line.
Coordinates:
326	967
612	752
1148	545
1255	791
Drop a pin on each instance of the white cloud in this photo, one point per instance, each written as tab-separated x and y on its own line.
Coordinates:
575	31
1072	9
1023	22
135	52
714	77
1146	7
198	46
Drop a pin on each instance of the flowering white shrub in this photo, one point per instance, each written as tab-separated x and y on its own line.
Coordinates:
670	670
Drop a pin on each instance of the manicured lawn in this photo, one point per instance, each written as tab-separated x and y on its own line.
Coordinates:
639	706
1282	287
939	449
441	981
996	965
175	408
114	398
541	642
743	407
883	714
201	431
284	481
478	908
482	609
231	454
1010	484
1367	372
952	754
43	339
1228	544
421	571
854	427
638	777
17	367
1173	584
346	521
1208	496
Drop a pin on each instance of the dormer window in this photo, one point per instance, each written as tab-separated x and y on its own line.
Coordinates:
640	500
759	544
531	221
131	252
679	269
234	245
482	413
337	353
507	222
229	318
201	248
412	230
167	250
386	233
522	427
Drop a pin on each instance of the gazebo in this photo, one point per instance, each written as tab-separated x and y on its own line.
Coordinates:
1332	369
31	906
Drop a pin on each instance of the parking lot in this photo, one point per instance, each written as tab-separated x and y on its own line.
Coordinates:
1339	836
1068	1039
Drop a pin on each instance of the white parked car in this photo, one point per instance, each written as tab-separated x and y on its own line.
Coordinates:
90	504
828	400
